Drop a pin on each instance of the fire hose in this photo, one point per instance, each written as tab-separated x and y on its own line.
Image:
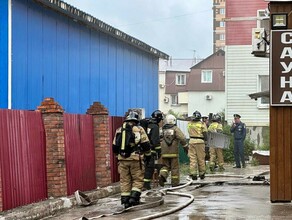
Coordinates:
160	201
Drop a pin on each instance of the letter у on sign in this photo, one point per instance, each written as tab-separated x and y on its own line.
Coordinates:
281	68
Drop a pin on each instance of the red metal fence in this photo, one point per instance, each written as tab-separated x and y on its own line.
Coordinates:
79	151
22	158
114	122
23	166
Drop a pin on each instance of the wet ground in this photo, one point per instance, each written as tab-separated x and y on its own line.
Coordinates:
229	195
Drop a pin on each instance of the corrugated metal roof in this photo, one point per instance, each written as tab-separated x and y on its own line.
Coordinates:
99	25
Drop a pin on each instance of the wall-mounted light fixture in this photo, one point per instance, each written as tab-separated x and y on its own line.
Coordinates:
279	21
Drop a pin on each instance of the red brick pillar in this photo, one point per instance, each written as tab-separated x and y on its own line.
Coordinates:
52	114
101	143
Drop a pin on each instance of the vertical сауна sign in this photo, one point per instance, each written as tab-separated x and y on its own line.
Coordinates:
281	68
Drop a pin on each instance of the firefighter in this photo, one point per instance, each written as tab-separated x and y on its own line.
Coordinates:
172	136
198	136
131	167
216	152
153	133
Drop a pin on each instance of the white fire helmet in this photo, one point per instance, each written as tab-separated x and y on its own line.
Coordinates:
170	119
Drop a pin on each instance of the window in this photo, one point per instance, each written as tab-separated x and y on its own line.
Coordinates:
180	79
263	85
222	37
206	76
174	100
222	24
222	11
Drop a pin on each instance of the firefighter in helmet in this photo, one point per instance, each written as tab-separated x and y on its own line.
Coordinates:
172	136
198	136
153	133
131	144
216	153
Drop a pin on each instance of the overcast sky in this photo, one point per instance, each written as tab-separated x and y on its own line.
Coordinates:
180	28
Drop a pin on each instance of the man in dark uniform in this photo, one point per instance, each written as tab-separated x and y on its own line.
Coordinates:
154	138
239	133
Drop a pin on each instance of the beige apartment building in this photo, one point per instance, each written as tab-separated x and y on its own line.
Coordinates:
218	25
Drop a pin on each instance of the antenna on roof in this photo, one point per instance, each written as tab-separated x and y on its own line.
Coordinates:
194	57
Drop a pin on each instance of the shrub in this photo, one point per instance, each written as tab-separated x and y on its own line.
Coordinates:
228	154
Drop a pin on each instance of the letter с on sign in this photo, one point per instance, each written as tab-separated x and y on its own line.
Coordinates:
281	68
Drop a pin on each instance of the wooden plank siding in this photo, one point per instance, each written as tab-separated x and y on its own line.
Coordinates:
280	136
242	70
280	153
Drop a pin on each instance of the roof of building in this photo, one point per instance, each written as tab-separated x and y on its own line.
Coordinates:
259	94
94	23
205	60
177	64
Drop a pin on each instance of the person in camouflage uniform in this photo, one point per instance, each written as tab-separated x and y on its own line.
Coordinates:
131	167
172	136
198	136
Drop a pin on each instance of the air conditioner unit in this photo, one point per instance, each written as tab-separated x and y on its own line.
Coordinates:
259	43
208	97
166	100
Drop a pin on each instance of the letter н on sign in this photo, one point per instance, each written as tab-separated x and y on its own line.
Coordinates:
281	68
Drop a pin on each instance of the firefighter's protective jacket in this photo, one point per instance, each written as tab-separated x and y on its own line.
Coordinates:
172	136
141	141
196	131
215	127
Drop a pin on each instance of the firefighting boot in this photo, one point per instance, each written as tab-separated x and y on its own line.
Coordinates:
161	180
193	177
146	186
134	198
221	169
125	201
202	176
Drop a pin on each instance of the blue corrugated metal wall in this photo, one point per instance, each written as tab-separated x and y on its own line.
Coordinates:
3	54
53	56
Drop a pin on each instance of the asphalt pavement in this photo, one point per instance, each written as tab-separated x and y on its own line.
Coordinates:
233	194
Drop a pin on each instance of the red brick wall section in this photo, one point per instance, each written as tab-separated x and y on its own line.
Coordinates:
52	114
101	143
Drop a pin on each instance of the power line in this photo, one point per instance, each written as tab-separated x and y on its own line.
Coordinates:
161	19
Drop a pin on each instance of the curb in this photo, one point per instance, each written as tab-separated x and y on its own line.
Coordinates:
50	207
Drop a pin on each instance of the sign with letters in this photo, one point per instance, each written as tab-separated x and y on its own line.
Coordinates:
281	68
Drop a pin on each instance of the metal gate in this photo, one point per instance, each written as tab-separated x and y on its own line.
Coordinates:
22	158
80	153
114	123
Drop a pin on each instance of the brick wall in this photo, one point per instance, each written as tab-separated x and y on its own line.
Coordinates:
101	143
52	114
